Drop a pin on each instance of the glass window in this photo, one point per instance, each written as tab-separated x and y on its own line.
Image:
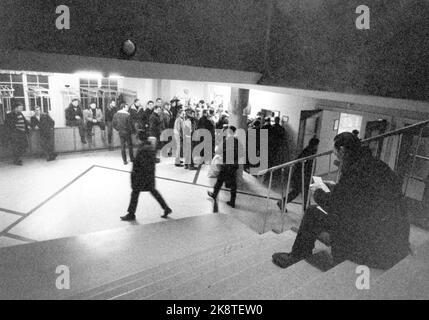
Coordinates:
5	77
19	90
16	78
44	79
31	78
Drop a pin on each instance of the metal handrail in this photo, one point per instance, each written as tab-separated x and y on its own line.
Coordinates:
291	164
379	137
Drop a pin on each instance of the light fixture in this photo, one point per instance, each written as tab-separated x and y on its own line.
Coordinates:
115	76
89	74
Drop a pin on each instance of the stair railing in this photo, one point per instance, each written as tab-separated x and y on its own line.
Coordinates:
290	166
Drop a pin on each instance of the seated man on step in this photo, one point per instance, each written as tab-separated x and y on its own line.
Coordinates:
363	214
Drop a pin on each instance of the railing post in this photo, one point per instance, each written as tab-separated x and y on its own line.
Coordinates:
284	202
303	186
419	140
268	200
313	169
283	187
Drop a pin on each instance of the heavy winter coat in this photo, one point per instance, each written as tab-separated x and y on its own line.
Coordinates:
143	174
370	223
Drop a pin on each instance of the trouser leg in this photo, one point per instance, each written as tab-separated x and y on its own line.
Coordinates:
109	131
313	223
218	185
159	198
44	143
81	128
177	149
133	202
233	189
130	147
123	148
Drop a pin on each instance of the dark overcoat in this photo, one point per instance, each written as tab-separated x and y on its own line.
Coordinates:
370	223
143	174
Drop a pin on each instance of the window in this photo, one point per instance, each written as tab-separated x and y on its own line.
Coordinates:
38	87
29	89
99	91
349	122
16	82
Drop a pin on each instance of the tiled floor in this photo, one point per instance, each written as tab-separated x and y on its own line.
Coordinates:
87	192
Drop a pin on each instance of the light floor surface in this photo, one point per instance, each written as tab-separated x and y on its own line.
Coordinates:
82	193
88	192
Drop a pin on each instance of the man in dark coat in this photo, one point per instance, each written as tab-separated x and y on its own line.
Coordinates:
74	118
111	109
296	179
143	179
156	126
17	129
143	115
278	141
205	123
228	170
364	213
122	124
45	125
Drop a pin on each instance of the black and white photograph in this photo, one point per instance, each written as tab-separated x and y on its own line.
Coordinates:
221	157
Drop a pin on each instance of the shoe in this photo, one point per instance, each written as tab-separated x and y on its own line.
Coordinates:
211	194
125	162
179	165
128	217
279	204
166	213
284	260
192	168
186	166
232	205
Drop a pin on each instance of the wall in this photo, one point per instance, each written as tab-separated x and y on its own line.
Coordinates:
314	44
59	100
145	88
288	105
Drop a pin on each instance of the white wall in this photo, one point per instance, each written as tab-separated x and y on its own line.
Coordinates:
144	88
59	100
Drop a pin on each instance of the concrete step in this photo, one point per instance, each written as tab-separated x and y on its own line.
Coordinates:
28	271
408	280
283	281
339	283
279	284
221	278
167	286
166	270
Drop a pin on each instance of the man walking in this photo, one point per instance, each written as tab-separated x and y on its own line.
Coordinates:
143	179
122	124
228	170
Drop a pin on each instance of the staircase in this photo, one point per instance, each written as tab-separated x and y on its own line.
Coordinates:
210	257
